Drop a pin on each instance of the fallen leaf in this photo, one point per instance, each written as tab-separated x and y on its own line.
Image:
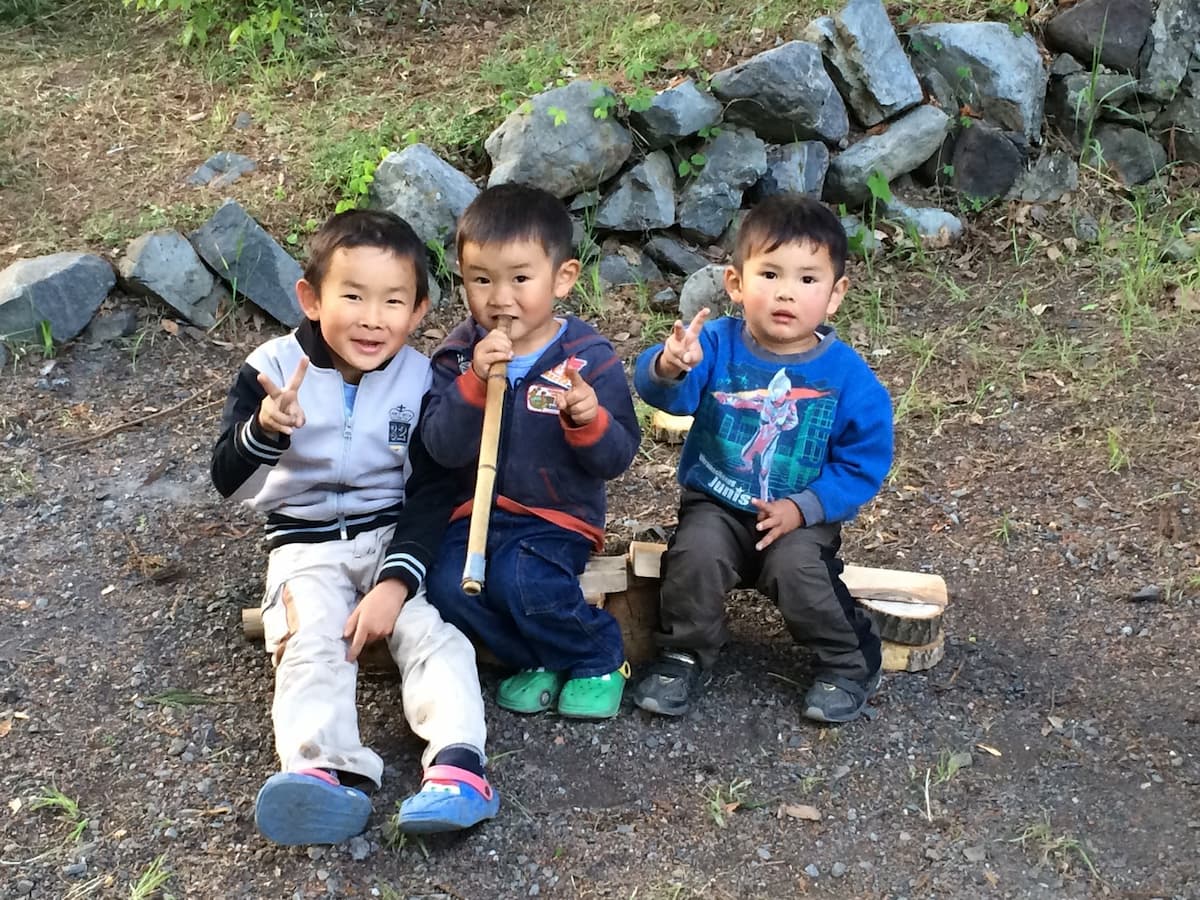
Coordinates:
108	590
646	23
1187	299
1056	722
800	811
170	326
989	749
621	336
1039	308
5	727
1054	253
15	804
196	117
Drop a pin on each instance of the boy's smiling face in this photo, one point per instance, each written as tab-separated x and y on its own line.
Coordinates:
785	293
367	307
517	279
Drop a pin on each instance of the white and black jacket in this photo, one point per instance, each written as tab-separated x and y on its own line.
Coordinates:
336	476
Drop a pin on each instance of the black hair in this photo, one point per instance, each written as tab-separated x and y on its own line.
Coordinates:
367	228
517	212
791	218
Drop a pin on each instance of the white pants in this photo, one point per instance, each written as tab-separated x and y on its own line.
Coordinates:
311	591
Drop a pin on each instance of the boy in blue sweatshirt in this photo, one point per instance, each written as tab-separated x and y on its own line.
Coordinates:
568	426
321	431
792	435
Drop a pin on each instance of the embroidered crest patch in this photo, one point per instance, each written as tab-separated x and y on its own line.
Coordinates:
558	375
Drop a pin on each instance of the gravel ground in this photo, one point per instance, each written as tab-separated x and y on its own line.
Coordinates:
1053	753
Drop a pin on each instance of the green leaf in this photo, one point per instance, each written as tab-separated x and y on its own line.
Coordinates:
684	168
697	160
877	184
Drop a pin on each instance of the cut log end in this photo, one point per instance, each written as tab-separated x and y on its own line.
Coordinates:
668	429
906	658
902	622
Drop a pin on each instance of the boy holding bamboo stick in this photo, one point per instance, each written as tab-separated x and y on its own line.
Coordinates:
567	426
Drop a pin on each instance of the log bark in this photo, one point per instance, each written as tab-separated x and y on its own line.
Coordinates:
906	658
668	429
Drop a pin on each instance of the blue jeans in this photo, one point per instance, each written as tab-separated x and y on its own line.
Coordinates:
531	612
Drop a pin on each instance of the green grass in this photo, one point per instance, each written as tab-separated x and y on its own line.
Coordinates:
150	882
1040	839
67	809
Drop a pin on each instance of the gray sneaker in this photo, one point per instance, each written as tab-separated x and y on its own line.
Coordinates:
833	698
671	683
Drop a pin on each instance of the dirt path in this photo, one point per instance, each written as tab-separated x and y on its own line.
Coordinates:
126	685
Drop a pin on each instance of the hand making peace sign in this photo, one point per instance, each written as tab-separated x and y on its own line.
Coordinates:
682	350
280	412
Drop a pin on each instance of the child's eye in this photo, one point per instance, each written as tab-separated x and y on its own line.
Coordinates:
480	279
521	279
809	279
770	276
396	301
352	297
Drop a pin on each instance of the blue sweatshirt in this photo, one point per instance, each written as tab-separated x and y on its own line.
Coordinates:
815	427
547	466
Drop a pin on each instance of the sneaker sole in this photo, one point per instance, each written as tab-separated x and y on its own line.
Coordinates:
299	810
651	705
818	715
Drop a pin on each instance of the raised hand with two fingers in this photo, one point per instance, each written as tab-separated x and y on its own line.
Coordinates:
280	411
681	351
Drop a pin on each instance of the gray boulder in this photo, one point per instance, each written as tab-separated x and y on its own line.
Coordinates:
676	113
1118	28
933	227
1001	75
1180	125
909	141
987	161
1130	153
866	61
705	287
163	265
1076	102
674	255
63	289
1171	46
555	141
797	168
736	159
643	199
110	326
1047	180
628	266
222	169
423	189
784	95
245	257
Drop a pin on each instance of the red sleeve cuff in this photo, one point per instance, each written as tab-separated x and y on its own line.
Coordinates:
472	389
586	435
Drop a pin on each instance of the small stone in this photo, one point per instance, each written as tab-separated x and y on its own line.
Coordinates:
1148	594
904	837
24	887
764	854
1087	230
360	848
838	870
243	120
1126	630
840	772
323	874
75	869
812	871
624	829
975	854
535	889
171	832
315	853
177	747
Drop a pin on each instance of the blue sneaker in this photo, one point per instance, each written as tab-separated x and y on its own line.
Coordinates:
309	807
450	799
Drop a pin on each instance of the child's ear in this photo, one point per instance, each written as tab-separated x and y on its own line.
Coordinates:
565	278
310	299
837	295
418	314
733	284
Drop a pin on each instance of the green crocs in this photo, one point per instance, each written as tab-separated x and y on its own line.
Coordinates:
598	697
529	691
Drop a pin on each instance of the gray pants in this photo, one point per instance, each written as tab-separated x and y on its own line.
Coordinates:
712	552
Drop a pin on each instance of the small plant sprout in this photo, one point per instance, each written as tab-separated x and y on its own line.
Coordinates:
151	880
68	810
46	336
1039	837
557	114
692	165
1118	456
722	802
1004	530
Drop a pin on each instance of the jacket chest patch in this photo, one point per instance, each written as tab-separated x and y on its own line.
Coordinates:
560	374
400	425
542	399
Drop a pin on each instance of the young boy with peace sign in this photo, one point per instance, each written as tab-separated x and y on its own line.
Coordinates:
321	431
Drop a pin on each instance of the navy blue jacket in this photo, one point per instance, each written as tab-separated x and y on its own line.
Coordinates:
547	466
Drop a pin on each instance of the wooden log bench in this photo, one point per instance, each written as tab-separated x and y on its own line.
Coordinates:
907	606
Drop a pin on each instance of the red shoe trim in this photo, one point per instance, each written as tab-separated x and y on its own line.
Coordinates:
455	775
